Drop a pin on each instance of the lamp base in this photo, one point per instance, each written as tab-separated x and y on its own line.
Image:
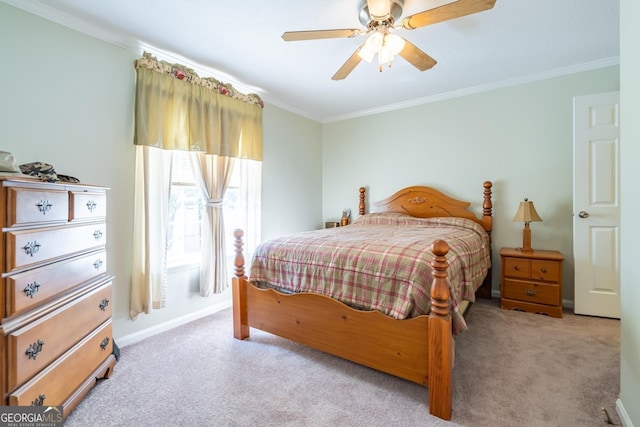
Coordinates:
526	238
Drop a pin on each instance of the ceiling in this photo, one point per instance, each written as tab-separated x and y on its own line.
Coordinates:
240	42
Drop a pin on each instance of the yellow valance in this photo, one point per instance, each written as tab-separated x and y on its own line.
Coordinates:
178	110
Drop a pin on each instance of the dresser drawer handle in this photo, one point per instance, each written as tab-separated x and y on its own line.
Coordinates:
31	248
544	270
39	400
104	304
97	264
34	349
31	289
91	205
97	234
104	343
44	206
517	267
530	292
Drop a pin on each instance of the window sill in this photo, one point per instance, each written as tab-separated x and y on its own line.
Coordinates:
176	268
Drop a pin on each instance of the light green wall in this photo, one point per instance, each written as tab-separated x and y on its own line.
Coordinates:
67	99
520	138
630	153
292	173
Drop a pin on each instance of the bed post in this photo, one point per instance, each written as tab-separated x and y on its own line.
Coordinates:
484	291
361	206
487	208
440	337
239	290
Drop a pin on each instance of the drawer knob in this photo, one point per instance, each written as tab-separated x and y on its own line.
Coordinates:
104	343
97	264
530	292
31	289
544	270
39	400
104	304
517	267
34	349
31	248
91	205
44	206
97	234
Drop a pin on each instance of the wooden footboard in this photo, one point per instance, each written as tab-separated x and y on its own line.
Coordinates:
418	349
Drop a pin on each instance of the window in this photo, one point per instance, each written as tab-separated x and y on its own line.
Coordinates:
185	213
241	210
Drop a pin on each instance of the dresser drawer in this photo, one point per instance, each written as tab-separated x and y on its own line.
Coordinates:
59	380
27	248
28	206
541	293
34	346
86	205
517	267
33	287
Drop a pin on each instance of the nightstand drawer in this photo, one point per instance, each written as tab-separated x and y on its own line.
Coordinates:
540	293
546	270
517	267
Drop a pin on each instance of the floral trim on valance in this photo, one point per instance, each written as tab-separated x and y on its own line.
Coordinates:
186	74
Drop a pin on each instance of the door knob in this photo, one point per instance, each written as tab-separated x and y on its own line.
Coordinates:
583	214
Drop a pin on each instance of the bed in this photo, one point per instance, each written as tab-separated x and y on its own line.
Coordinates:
322	301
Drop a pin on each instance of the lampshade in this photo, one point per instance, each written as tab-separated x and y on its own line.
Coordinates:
527	213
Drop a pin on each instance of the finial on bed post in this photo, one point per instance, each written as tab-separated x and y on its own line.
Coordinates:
487	206
440	288
239	260
361	206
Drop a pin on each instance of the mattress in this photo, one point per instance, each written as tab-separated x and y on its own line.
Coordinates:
380	262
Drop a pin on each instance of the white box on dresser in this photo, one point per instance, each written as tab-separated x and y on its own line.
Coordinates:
55	298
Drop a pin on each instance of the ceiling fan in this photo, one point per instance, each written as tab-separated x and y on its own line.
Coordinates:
380	16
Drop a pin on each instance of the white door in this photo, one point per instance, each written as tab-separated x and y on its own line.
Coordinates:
596	204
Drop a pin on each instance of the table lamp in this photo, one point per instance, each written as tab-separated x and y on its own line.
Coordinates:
526	213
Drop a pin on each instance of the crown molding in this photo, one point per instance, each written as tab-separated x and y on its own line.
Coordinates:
559	72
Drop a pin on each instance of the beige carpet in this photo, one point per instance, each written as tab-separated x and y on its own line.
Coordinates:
512	369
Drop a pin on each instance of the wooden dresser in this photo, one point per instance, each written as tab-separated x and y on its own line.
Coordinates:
531	281
56	294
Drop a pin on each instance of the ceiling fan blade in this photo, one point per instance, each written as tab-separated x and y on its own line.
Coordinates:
444	13
348	66
290	36
416	57
379	9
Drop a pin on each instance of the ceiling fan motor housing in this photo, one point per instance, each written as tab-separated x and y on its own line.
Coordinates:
395	12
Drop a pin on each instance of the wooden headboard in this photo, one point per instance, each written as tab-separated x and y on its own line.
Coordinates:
427	202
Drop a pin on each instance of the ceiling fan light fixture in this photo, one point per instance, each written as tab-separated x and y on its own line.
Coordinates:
375	41
385	56
366	54
386	45
394	43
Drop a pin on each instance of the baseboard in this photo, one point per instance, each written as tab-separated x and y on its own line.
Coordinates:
622	414
173	323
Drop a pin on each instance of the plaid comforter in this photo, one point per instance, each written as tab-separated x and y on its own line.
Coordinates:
380	262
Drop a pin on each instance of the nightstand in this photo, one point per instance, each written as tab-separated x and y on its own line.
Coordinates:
531	281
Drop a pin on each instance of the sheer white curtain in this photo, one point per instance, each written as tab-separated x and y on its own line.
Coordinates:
212	174
151	215
175	109
250	199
